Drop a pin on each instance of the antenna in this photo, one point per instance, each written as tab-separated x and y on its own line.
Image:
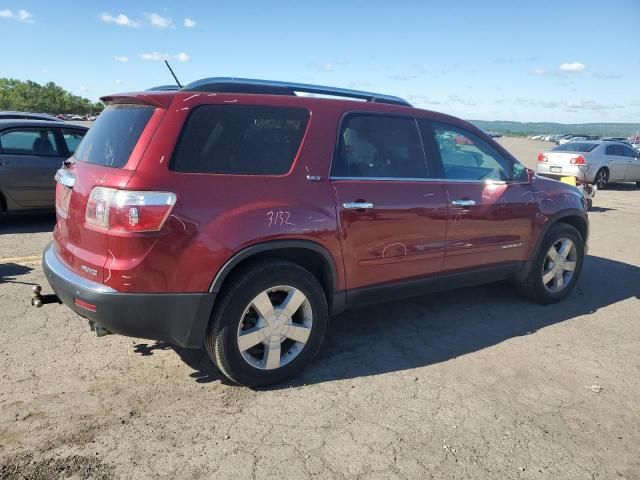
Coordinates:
174	75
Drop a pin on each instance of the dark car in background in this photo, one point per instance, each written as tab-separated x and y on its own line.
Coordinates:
31	151
10	115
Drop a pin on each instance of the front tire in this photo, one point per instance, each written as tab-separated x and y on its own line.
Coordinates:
269	323
557	266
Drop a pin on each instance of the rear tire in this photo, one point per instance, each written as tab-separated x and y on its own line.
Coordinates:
557	266
602	178
269	323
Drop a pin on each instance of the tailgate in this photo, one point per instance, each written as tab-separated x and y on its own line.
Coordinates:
106	157
82	248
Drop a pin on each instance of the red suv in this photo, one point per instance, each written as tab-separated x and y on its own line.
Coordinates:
239	215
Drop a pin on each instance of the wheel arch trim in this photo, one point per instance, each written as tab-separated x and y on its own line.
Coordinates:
553	220
273	245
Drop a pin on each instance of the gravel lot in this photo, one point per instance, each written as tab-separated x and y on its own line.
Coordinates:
474	383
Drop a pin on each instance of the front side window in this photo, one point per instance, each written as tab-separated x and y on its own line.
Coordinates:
613	150
375	146
465	156
240	140
31	141
629	152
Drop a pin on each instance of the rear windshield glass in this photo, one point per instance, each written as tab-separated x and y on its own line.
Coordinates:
239	139
113	136
575	147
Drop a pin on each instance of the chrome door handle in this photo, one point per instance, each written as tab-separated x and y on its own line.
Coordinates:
463	203
357	205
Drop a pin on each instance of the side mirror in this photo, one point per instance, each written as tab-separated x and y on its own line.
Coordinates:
521	173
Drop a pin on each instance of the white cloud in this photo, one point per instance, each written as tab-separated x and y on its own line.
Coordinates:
20	15
158	57
118	82
591	105
573	105
539	72
424	100
83	88
121	58
359	84
24	16
462	101
403	77
189	23
607	75
182	57
159	21
573	67
323	67
120	19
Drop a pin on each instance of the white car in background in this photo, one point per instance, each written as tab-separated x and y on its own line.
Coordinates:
591	161
562	141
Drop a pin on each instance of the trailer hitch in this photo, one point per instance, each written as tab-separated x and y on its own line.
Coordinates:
38	300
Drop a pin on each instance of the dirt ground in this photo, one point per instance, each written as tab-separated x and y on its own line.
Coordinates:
475	383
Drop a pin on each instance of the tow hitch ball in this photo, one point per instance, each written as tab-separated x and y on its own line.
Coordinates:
38	300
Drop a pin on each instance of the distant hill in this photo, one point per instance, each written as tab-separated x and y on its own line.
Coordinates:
519	128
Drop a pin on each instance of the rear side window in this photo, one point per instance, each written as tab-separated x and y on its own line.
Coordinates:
29	141
112	138
375	146
575	147
239	139
72	138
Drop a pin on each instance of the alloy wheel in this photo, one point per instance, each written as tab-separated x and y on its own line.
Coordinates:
559	265
275	327
602	179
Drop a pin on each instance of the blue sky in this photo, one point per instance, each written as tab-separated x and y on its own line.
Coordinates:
564	61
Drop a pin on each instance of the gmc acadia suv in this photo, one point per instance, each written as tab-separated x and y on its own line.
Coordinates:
239	215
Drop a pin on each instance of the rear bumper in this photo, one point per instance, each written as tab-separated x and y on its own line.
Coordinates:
178	318
583	173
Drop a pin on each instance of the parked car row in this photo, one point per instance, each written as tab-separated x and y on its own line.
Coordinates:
561	139
69	116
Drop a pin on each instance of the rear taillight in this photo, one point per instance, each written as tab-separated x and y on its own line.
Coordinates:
542	157
127	210
579	160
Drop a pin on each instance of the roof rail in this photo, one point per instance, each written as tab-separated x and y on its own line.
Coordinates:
271	87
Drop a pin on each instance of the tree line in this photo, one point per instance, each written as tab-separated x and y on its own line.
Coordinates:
28	96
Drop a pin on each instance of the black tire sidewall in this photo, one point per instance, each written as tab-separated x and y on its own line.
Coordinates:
222	334
538	290
605	179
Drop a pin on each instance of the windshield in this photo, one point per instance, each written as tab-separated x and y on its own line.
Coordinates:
114	135
575	147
